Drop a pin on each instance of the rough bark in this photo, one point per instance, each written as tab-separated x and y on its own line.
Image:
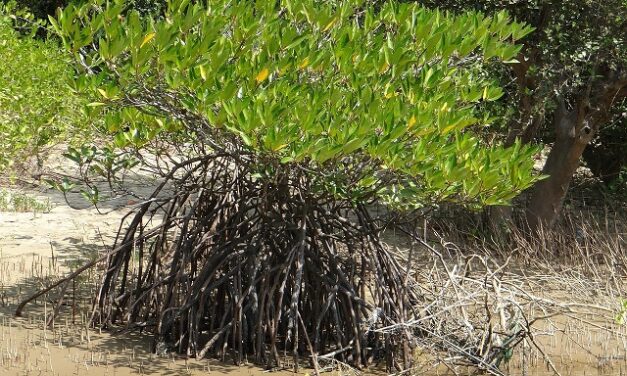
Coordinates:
573	133
574	129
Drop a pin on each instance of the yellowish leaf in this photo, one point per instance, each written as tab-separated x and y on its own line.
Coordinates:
263	75
422	132
448	128
384	68
329	25
203	73
411	122
390	94
304	64
147	39
103	93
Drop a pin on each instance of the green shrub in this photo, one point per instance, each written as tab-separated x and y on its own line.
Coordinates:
606	156
37	107
42	9
18	202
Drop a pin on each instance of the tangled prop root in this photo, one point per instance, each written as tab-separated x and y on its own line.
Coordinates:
246	266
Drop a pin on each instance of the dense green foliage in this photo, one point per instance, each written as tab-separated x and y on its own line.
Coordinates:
40	9
388	93
37	108
606	156
579	47
574	39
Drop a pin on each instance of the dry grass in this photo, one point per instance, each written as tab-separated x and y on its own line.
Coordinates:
521	305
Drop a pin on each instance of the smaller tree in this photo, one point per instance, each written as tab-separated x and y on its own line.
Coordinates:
37	108
571	87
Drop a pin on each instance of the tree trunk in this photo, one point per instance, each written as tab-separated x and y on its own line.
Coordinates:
574	130
573	133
